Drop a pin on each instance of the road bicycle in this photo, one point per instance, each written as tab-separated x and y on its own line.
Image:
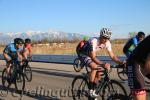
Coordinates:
16	76
108	89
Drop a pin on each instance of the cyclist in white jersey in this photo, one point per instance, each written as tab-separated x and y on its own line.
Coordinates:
87	54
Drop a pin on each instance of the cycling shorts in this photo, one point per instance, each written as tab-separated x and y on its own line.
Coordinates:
135	77
85	59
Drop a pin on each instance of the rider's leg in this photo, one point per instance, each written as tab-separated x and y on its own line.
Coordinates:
139	95
92	65
138	85
98	75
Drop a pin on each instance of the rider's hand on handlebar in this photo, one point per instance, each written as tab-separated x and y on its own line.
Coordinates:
107	66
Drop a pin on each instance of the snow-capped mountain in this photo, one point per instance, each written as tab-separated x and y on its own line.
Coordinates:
38	35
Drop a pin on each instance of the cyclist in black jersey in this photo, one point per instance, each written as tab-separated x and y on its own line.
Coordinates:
139	65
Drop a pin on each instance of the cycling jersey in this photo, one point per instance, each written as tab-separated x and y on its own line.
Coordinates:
130	46
27	46
141	52
11	50
92	44
136	62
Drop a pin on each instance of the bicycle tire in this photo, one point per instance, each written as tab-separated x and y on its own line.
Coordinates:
20	78
112	93
77	65
122	74
5	78
28	73
77	92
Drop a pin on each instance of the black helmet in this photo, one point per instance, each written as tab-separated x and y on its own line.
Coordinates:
27	40
18	41
141	34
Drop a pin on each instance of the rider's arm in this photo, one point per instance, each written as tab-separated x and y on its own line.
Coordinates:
5	53
111	53
135	42
92	54
20	57
30	51
6	56
114	57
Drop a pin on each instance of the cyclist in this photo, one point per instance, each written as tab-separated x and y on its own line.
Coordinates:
139	65
81	43
13	52
27	48
132	43
87	54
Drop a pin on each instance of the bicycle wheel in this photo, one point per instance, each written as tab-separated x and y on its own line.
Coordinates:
113	90
80	88
28	73
5	78
20	83
122	74
77	65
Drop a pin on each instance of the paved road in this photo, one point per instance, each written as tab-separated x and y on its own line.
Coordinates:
50	82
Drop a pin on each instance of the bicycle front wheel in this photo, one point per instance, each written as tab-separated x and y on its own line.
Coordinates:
5	78
28	73
20	83
114	90
80	88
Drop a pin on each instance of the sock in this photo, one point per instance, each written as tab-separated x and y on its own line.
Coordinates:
90	85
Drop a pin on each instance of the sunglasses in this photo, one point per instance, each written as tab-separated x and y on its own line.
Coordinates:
20	44
105	38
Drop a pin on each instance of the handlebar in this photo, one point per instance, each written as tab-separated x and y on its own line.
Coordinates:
103	69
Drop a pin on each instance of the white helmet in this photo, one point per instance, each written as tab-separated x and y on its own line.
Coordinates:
105	32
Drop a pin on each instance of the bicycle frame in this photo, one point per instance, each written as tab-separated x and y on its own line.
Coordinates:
103	81
16	69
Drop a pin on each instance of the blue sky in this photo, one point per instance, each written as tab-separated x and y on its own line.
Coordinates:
79	16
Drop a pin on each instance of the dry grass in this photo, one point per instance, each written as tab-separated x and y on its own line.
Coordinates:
67	48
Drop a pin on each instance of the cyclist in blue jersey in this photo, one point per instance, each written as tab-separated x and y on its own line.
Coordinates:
132	43
13	52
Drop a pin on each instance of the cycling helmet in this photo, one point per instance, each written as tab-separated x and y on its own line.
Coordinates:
105	32
27	40
141	34
18	41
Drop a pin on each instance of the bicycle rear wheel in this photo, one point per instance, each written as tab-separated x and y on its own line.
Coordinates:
114	90
80	88
77	65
